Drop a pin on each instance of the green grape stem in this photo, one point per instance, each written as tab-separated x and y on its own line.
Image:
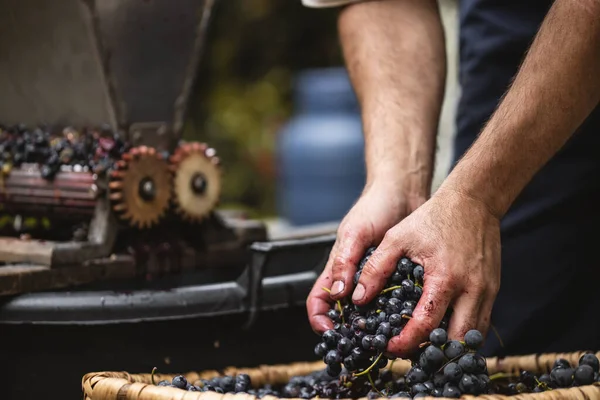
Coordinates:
152	375
384	291
366	371
373	384
542	385
502	375
391	364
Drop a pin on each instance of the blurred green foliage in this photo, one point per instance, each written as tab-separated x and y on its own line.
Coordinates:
243	96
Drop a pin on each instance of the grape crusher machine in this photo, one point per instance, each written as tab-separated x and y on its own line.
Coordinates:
112	78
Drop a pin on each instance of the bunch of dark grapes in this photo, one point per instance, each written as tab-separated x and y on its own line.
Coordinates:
86	150
562	375
223	384
361	333
449	368
304	387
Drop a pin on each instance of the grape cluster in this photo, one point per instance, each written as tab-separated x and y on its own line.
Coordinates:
562	375
361	333
222	384
449	368
86	150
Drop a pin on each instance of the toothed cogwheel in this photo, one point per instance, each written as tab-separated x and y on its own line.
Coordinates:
197	180
140	187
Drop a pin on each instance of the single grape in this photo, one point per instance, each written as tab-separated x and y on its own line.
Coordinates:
417	293
419	388
591	360
395	320
473	339
467	384
382	301
563	377
180	382
584	375
418	273
367	342
405	266
385	329
396	278
380	342
528	378
435	356
453	372
453	349
331	338
408	286
321	349
359	323
416	375
371	325
438	337
334	315
451	391
344	346
350	363
333	357
468	363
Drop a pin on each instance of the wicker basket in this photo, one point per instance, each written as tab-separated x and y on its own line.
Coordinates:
125	386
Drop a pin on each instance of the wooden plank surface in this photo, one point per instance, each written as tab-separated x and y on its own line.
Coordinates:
14	250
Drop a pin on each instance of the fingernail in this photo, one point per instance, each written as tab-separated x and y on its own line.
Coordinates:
359	292
337	288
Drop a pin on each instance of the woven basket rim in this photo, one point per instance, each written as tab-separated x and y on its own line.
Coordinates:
122	385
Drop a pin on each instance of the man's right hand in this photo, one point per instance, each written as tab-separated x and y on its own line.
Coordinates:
379	208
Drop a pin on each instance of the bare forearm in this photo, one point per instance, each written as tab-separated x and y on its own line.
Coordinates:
555	90
395	54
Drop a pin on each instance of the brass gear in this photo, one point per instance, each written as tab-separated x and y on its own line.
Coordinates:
140	187
197	180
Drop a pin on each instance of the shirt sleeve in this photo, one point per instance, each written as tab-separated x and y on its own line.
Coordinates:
328	3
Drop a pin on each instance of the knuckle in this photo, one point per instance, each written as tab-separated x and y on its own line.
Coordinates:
391	236
373	269
340	262
370	271
493	288
477	287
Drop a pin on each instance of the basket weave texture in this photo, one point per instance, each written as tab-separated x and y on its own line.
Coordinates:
125	386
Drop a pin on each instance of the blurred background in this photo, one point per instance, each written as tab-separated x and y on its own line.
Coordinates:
269	66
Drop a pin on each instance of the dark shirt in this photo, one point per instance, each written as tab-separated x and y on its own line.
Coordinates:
548	299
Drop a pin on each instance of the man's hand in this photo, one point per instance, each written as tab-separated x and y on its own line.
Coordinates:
377	210
457	240
401	97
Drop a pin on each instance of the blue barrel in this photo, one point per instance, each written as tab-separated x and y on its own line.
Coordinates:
320	151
